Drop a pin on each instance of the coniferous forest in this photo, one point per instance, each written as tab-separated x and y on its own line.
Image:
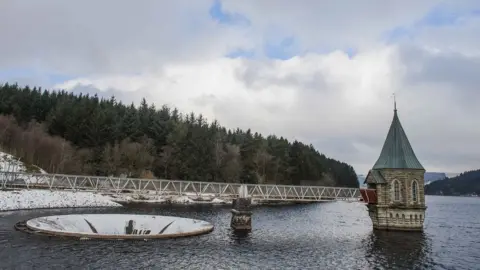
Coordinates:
86	135
467	183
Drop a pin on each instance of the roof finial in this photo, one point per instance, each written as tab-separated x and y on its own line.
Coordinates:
394	103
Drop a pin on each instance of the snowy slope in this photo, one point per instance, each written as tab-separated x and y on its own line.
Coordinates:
31	199
9	163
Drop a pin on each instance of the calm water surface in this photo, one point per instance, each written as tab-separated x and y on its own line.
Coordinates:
316	236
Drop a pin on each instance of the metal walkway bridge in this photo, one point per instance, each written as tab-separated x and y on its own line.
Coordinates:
116	185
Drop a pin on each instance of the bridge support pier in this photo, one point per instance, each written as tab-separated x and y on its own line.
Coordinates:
241	212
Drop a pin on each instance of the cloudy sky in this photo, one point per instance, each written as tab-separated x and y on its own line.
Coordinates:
319	71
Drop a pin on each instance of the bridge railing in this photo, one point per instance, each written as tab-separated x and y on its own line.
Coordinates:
118	185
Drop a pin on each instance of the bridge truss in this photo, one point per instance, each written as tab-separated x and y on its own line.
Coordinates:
116	185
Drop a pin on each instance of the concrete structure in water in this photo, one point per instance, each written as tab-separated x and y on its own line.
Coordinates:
395	185
115	226
241	213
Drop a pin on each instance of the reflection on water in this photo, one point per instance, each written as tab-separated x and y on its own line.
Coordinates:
314	236
395	249
240	236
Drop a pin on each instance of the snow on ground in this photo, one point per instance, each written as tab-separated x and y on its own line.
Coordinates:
35	199
9	163
32	199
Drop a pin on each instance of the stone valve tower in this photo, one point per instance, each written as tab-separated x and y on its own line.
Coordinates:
395	185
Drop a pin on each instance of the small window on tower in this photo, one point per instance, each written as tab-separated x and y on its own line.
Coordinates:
414	191
396	190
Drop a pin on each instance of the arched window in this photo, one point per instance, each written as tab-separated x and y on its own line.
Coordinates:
414	191
396	190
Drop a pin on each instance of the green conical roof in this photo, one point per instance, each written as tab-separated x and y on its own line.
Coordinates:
397	153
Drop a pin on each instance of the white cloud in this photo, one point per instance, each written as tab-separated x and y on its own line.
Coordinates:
341	105
173	54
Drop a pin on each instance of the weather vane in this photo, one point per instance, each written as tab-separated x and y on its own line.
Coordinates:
394	102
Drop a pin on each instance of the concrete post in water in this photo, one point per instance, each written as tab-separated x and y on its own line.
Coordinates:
241	214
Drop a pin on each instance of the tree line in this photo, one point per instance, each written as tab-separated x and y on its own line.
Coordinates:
82	134
467	183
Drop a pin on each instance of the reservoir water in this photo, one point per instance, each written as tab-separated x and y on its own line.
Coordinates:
315	236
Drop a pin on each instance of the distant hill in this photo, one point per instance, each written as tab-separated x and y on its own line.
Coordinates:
465	184
434	176
361	178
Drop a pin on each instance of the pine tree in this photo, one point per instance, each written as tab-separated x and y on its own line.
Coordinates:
86	134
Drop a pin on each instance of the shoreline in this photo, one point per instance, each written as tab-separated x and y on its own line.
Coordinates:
28	199
56	208
462	196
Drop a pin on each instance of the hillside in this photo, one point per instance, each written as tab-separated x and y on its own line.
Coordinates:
81	134
465	184
9	163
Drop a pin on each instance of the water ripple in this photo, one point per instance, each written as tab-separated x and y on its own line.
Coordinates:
315	236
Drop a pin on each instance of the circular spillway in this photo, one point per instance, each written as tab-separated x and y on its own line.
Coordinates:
117	226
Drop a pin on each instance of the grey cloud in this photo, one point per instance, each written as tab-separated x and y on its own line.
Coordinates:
256	75
204	100
451	73
452	67
92	37
124	97
340	145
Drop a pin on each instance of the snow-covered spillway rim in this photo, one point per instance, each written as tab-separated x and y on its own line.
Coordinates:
119	226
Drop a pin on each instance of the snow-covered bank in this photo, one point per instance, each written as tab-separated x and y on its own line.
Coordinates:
37	199
34	199
187	198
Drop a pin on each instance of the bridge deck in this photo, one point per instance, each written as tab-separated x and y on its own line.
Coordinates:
175	187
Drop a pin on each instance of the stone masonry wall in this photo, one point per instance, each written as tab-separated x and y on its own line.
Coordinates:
405	177
405	214
385	218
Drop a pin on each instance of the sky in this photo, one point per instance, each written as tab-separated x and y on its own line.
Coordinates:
321	72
